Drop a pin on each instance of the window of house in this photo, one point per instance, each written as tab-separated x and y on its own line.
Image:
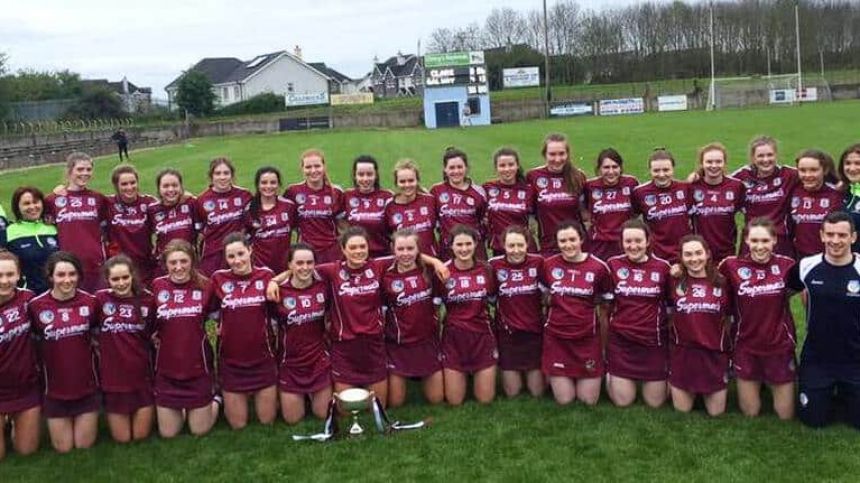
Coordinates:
225	93
290	87
236	93
474	105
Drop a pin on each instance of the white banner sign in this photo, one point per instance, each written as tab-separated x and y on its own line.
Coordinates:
306	99
357	98
783	96
614	107
672	103
521	77
571	109
809	94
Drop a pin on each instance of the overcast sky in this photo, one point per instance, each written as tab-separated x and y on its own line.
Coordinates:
151	42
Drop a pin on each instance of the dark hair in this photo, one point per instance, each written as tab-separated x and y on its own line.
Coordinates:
824	159
295	247
661	154
838	217
516	230
853	149
120	170
461	229
63	257
180	245
636	224
123	259
218	162
608	153
19	193
352	231
7	255
257	201
762	222
450	153
568	224
711	273
573	177
365	158
235	237
521	178
168	172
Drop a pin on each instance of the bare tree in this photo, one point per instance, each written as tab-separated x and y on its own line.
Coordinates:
503	27
441	40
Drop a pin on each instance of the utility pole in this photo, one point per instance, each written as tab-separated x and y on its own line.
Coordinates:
546	60
713	89
797	36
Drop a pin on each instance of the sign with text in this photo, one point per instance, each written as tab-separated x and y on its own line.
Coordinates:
783	96
571	109
305	99
615	107
351	99
521	77
447	59
671	103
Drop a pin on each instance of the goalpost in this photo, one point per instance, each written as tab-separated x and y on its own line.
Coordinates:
729	92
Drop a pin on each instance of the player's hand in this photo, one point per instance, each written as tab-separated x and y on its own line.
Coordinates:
273	291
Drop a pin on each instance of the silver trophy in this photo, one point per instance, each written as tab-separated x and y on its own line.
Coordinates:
354	400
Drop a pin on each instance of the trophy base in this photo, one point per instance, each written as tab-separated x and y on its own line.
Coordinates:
356	429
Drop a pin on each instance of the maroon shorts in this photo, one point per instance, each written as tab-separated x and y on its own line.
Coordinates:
777	368
247	379
307	378
359	361
604	249
519	350
62	408
632	360
183	393
419	359
128	402
574	358
697	370
467	351
21	401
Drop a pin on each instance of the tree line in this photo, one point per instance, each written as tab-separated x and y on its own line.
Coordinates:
650	40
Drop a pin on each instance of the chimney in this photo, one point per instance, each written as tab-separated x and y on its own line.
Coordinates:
124	85
298	52
400	58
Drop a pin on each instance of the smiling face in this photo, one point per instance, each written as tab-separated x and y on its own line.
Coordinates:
302	265
355	251
269	186
365	177
30	206
569	243
761	243
407	182
170	189
178	266
120	280
694	257
764	159
313	169
406	251
455	171
516	247
811	173
506	169
80	174
64	279
610	171
556	156
662	172
851	167
463	246
713	165
634	242
837	239
238	256
9	277
222	178
127	188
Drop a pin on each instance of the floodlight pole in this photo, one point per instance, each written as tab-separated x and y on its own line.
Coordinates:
546	60
797	38
713	90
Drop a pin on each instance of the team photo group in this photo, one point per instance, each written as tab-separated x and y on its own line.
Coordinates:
261	302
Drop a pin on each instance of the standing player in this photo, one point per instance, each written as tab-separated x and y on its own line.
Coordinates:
716	200
609	204
183	362
273	219
811	201
519	313
124	315
221	209
557	187
364	204
30	238
459	201
411	322
63	319
173	216
849	175
305	366
764	328
768	189
80	215
246	358
665	205
20	394
412	207
468	343
577	283
127	228
700	318
319	204
637	341
509	200
830	360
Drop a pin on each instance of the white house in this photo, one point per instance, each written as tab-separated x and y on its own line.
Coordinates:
280	73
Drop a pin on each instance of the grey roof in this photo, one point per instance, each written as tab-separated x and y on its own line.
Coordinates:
216	69
224	70
399	70
326	70
113	86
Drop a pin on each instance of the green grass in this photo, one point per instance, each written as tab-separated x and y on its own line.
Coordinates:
517	440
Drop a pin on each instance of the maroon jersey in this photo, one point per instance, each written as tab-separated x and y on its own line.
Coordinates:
64	331
768	197
466	296
520	292
367	210
411	301
179	221
763	320
575	289
699	310
221	214
301	316
244	317
714	208
419	215
507	205
609	206
19	368
455	207
80	217
808	210
271	231
667	212
553	204
125	327
356	297
641	293
317	211
184	351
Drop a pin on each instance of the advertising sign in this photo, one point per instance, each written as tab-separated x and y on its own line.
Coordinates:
614	107
521	77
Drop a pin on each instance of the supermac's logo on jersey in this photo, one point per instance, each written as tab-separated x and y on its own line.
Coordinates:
354	202
227	287
397	218
597	193
61	202
854	286
745	273
290	303
109	309
542	182
622	273
209	205
650	200
557	273
46	316
397	286
444	197
163	296
502	275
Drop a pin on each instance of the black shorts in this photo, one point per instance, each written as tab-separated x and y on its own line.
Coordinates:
820	386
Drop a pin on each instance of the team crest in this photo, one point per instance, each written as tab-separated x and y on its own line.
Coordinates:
854	286
424	211
237	201
521	195
184	209
368	273
450	284
533	272
825	203
444	197
718	292
144	312
774	269
84	311
679	194
159	217
397	286
196	295
542	182
91	202
397	218
650	200
258	285
655	276
227	287
61	202
730	195
502	275
327	199
777	182
597	193
795	201
109	309
589	276
557	273
163	296
320	298
118	207
749	184
290	303
354	202
480	280
343	274
52	241
625	191
209	205
470	201
698	196
46	316
623	273
745	273
380	202
493	192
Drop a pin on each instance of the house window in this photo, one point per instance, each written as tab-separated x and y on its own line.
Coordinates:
225	93
290	87
474	106
236	93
